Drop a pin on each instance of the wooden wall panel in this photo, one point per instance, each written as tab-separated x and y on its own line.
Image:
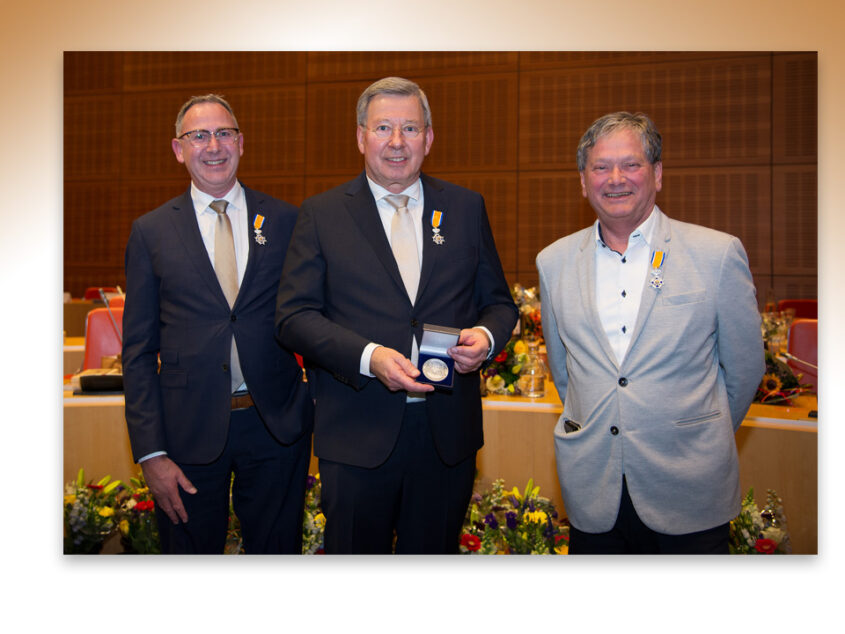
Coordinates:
795	108
209	71
794	220
739	133
368	66
708	112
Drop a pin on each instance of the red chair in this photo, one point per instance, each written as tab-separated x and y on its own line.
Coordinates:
802	348
117	300
101	338
93	292
804	308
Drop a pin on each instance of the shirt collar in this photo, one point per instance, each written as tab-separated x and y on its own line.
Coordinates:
412	191
645	231
203	200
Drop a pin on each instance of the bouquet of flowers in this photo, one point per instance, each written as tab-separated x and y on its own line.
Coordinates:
528	302
502	373
513	522
779	383
138	526
763	532
313	522
90	514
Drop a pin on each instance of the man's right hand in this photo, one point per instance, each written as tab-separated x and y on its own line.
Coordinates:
164	478
396	371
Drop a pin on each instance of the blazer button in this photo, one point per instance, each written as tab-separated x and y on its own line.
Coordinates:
414	323
225	367
623	381
234	318
614	430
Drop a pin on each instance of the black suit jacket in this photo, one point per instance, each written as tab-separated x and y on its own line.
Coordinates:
341	288
176	309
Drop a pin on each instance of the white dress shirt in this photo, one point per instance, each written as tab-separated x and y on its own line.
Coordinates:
620	278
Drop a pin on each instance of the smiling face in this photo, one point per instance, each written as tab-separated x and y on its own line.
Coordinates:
619	181
213	168
394	162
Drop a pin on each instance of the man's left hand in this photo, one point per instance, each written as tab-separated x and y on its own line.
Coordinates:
471	351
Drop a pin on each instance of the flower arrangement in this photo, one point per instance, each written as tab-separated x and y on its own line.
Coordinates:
756	532
509	522
502	373
137	524
779	384
313	521
90	514
528	302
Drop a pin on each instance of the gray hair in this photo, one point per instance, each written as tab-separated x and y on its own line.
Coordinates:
637	123
392	86
193	101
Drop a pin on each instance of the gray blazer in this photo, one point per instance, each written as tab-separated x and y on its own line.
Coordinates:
666	417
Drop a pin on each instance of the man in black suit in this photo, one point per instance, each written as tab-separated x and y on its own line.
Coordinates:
396	456
202	272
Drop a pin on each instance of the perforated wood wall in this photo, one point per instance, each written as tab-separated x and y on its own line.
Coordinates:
739	130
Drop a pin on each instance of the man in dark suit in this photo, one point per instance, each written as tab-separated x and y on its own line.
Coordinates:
395	455
202	272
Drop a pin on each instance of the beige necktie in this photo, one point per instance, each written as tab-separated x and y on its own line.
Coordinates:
403	241
226	268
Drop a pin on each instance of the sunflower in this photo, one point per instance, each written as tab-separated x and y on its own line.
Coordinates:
770	384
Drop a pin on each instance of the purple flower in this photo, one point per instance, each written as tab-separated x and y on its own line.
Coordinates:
510	518
310	481
490	520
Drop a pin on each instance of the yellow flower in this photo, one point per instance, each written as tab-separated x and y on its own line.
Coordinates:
771	384
70	499
537	517
519	347
105	511
517	494
320	519
124	526
495	383
563	549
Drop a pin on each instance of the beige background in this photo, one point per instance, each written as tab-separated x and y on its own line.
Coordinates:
554	593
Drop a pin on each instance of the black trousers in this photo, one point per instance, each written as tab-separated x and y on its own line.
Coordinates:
630	536
413	493
268	494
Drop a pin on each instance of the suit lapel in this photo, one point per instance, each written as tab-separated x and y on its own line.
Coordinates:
253	259
586	275
185	223
660	241
362	208
434	199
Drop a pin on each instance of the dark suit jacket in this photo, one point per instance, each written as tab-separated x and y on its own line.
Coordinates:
175	308
341	289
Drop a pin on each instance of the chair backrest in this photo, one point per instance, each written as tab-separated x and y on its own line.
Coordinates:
804	308
803	343
101	340
117	300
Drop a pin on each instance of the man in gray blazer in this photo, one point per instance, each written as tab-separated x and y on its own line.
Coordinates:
654	344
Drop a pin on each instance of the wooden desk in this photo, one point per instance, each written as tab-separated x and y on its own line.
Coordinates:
73	354
778	450
75	312
777	446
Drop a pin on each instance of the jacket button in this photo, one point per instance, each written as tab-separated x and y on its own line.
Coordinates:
614	430
623	381
234	318
414	323
225	367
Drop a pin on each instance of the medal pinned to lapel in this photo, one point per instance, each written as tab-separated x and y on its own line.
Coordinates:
256	225
436	219
656	270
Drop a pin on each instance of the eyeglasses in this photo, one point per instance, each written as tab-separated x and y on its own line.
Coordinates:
201	138
409	131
